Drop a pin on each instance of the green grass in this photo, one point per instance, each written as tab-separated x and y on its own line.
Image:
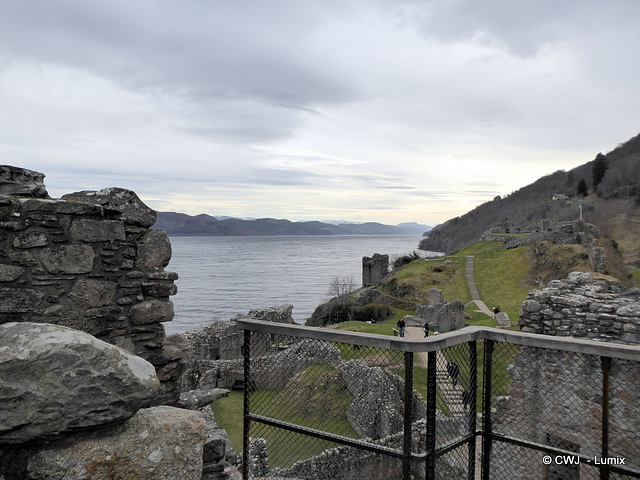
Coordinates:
229	412
385	328
303	402
500	277
418	277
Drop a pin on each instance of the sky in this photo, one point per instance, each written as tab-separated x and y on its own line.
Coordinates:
378	110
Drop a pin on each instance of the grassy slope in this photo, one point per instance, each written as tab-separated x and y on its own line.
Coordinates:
500	276
418	277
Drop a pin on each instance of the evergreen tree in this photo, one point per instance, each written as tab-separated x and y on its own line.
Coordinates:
570	179
581	189
598	169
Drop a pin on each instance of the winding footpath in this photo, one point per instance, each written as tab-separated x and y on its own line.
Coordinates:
469	274
452	392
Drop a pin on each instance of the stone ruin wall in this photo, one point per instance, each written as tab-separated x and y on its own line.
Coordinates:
554	396
443	316
576	232
580	307
88	261
374	269
212	357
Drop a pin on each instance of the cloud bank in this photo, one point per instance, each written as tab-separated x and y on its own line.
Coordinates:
380	110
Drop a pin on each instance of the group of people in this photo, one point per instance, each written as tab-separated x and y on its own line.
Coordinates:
452	368
454	374
402	327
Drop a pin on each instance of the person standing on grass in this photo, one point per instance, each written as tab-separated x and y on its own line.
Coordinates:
401	326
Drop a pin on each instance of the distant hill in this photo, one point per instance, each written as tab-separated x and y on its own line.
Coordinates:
608	188
182	224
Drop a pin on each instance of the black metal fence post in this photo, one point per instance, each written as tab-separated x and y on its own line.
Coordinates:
606	369
408	415
486	409
473	387
246	350
430	464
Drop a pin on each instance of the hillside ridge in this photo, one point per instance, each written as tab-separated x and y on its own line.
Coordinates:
605	191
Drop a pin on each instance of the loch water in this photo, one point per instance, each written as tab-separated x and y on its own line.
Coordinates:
221	277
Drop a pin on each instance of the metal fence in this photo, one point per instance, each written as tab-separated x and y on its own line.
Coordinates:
477	403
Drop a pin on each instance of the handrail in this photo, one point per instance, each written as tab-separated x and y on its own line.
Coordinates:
449	339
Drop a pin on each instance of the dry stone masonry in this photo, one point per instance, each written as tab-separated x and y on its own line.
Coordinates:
443	316
580	306
88	261
83	352
555	398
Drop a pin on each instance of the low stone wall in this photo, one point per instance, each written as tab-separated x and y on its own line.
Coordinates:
559	233
348	462
580	306
212	357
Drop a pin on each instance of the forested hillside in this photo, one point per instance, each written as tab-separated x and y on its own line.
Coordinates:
608	188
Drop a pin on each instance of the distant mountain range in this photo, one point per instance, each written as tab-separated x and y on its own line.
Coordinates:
182	224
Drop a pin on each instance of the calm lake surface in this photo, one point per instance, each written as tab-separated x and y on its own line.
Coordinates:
221	277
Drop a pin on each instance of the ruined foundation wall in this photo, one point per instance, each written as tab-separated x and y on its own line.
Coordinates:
580	306
555	397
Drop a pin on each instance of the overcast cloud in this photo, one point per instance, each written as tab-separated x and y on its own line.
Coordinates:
376	110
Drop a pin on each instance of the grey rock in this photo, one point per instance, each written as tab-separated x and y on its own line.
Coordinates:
157	443
9	273
195	399
19	300
56	379
154	251
151	311
277	314
89	293
531	306
368	296
68	259
22	182
503	319
30	240
90	230
132	209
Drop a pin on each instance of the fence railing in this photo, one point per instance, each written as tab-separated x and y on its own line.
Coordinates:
475	403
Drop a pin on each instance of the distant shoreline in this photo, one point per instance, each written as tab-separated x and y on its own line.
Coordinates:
205	225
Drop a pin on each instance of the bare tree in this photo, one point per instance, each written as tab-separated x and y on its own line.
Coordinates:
341	287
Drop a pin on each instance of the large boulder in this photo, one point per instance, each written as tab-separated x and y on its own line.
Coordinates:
157	443
55	380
